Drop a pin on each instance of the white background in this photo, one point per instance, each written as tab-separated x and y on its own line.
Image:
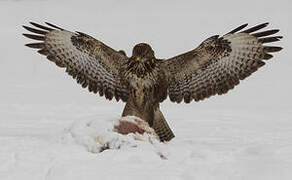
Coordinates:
245	134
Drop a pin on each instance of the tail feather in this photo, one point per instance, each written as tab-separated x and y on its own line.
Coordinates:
161	127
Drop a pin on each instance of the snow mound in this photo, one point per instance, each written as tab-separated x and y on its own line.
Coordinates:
125	132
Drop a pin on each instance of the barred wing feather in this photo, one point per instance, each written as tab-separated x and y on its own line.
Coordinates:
219	63
89	61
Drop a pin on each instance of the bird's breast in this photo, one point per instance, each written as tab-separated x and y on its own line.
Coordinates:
141	90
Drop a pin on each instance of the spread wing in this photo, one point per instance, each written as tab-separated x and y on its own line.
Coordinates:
89	61
219	63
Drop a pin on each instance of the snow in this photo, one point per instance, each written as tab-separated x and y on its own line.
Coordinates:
49	124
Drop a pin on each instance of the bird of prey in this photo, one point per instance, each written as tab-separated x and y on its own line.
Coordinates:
142	81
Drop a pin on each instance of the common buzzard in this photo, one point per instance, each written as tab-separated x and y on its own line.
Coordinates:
142	81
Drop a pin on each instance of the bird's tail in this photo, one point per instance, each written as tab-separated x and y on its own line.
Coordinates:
161	127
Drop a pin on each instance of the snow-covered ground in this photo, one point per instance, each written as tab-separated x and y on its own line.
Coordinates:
49	124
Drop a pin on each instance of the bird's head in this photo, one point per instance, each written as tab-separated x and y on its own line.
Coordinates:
142	52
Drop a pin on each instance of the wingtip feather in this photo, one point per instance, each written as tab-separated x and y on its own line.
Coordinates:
54	26
35	37
37	31
41	26
272	48
256	28
238	29
35	45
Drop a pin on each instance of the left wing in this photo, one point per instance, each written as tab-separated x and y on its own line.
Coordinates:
219	63
92	63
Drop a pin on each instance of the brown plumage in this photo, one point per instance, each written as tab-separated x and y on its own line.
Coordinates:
142	81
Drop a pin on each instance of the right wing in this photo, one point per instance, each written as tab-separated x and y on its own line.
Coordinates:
92	63
219	63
